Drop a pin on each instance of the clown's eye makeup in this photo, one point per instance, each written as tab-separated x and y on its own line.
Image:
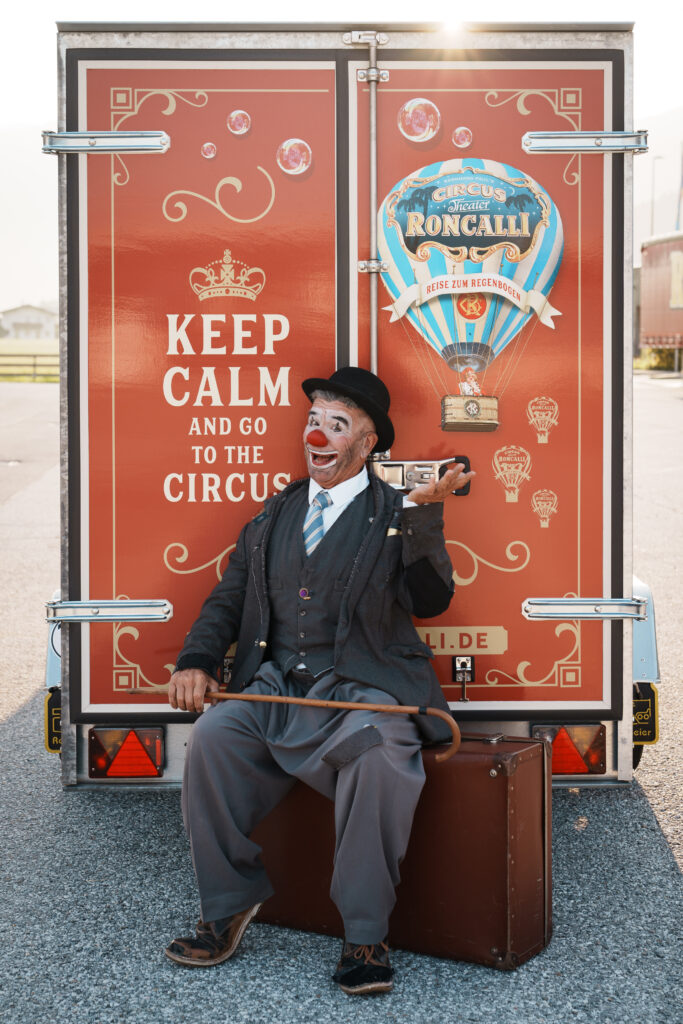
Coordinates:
336	422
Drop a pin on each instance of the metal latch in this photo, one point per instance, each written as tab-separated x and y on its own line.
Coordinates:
105	142
372	267
585	142
365	37
372	75
597	608
123	610
406	475
371	39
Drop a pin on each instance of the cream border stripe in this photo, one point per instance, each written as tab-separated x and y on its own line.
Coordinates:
84	407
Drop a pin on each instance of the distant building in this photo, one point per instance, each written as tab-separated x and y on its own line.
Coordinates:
661	292
29	322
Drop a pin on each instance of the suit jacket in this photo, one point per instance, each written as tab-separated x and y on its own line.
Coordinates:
402	569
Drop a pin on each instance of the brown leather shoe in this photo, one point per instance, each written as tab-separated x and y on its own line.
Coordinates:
363	970
206	948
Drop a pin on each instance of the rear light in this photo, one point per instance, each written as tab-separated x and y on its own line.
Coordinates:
125	753
577	749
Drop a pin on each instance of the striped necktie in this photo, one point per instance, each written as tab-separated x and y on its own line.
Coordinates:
313	523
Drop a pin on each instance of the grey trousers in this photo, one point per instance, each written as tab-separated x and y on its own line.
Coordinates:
244	757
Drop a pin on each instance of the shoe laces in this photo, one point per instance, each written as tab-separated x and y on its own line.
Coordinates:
367	953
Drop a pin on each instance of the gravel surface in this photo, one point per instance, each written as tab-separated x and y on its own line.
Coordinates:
658	559
96	883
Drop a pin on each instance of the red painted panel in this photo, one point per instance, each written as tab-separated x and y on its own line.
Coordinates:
194	399
501	551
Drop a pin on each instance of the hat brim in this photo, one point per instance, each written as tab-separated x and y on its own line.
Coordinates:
384	428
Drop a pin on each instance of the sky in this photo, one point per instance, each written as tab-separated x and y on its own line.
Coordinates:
28	80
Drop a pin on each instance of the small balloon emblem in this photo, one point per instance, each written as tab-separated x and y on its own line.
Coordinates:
294	156
419	120
238	122
544	504
472	306
209	150
512	466
543	413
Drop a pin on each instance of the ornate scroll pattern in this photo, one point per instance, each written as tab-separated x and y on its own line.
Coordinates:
177	554
515	550
566	672
128	675
126	103
181	207
566	103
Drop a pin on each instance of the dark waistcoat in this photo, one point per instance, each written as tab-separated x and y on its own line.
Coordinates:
306	592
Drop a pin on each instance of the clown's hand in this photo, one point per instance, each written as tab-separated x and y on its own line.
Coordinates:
437	490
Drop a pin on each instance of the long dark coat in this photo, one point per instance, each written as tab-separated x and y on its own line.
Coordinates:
402	569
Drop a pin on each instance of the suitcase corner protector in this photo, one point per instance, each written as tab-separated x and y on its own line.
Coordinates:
507	961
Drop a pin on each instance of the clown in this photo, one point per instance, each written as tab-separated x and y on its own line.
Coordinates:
318	594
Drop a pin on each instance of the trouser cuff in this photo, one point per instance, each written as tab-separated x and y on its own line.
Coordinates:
219	907
365	933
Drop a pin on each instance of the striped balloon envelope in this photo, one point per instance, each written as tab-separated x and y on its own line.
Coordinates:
472	248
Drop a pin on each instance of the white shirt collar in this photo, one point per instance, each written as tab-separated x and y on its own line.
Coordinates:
344	492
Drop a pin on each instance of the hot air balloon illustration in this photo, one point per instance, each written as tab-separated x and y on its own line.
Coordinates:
542	413
544	504
472	249
512	466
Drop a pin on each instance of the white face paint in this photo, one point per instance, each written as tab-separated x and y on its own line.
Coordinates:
349	438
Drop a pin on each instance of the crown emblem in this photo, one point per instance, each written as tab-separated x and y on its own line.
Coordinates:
227	277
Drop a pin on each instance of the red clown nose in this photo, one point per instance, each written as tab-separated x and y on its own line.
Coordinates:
317	439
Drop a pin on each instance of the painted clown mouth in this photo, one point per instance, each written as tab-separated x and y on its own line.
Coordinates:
321	460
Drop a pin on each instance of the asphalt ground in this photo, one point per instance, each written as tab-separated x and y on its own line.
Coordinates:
95	884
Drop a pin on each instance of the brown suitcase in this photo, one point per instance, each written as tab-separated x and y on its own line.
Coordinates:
475	882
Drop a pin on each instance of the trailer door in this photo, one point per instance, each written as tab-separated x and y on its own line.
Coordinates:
207	281
465	209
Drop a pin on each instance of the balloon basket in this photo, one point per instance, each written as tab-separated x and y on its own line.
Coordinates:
466	412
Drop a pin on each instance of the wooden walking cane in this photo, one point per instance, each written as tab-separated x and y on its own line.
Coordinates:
393	709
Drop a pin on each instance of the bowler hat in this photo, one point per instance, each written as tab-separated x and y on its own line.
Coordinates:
367	391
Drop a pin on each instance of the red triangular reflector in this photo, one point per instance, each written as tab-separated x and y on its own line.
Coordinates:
566	758
132	759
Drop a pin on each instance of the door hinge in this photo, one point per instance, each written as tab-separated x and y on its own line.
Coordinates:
123	610
598	608
105	142
585	142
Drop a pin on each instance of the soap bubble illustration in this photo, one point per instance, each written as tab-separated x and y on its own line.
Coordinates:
419	120
462	137
294	156
238	122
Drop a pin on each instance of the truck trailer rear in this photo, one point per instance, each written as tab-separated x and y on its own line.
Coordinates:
244	206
